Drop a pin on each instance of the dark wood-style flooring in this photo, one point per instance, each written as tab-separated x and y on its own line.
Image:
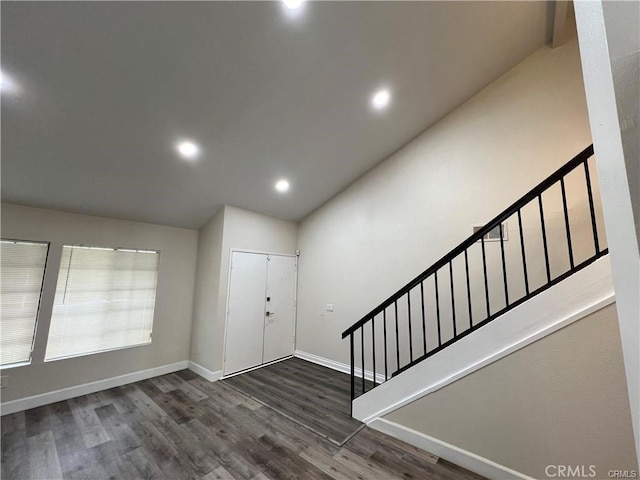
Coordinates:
309	394
180	426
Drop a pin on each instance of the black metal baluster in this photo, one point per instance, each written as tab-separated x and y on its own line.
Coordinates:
453	299
362	342
424	320
438	309
353	373
544	239
596	242
410	334
466	269
524	257
373	349
504	267
486	281
566	222
395	304
384	325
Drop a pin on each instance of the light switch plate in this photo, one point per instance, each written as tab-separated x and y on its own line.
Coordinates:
329	307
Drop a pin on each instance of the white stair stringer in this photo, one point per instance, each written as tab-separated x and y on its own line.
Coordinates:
579	295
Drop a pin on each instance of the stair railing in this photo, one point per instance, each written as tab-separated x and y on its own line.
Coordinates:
438	318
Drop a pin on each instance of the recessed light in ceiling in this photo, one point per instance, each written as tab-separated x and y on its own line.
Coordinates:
188	149
7	85
293	4
380	100
282	186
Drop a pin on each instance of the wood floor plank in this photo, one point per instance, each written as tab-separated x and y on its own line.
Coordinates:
329	465
43	457
15	455
12	423
145	466
219	474
363	466
61	419
191	450
72	454
163	384
37	421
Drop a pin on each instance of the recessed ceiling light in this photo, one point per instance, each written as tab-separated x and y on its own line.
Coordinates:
7	85
381	99
293	4
282	186
188	149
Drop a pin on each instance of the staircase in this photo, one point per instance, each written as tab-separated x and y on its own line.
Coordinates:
550	234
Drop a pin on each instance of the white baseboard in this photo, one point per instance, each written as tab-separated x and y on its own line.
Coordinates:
205	372
34	401
340	367
463	458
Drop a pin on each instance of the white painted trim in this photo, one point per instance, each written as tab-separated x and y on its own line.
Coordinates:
86	388
260	252
579	295
340	367
601	70
463	458
205	372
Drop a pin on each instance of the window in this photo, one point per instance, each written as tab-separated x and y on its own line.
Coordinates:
22	272
104	300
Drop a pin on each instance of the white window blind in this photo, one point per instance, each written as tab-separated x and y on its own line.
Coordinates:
104	301
22	271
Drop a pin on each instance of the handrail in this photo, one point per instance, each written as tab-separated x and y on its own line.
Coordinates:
445	323
509	211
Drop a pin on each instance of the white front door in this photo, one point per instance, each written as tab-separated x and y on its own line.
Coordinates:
261	310
279	330
245	312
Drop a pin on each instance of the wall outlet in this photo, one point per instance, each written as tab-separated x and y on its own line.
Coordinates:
4	381
329	307
199	349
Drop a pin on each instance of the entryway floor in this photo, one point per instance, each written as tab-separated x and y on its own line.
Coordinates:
314	396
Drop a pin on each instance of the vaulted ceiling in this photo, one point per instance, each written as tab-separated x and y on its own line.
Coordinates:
98	93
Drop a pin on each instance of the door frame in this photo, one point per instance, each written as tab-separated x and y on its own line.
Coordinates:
226	306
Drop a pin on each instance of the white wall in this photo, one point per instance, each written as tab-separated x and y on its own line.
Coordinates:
231	228
205	304
391	224
174	298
